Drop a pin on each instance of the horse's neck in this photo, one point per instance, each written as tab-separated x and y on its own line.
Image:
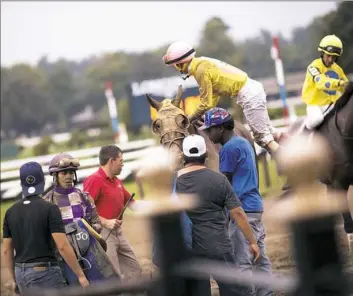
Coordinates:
345	117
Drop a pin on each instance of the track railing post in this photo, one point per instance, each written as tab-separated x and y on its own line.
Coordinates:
165	216
312	214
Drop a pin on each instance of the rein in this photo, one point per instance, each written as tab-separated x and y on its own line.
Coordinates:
173	141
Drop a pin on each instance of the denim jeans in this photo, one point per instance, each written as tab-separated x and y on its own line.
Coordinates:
243	257
49	277
203	287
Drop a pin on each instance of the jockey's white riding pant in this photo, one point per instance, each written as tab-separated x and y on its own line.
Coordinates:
252	99
315	115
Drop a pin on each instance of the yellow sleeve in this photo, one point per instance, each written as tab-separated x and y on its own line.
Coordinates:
344	77
207	99
321	81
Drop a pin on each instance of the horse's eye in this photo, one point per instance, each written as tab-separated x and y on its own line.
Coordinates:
156	126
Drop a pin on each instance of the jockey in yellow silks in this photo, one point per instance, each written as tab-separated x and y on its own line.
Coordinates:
216	78
324	81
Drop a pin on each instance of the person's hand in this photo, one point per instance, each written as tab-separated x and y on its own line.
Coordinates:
255	251
198	123
11	286
343	83
97	227
281	136
113	223
83	281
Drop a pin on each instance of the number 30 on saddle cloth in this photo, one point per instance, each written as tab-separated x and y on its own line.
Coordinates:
90	250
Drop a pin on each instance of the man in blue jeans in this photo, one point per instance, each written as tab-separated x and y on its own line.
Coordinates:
210	239
33	227
237	162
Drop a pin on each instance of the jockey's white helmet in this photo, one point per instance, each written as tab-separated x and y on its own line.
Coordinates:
179	52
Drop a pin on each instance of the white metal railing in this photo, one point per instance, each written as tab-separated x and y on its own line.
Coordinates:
85	163
12	189
133	151
80	154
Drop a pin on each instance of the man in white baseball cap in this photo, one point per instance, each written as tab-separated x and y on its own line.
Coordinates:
209	219
194	146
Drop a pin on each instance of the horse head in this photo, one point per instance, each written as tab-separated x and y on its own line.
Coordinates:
171	124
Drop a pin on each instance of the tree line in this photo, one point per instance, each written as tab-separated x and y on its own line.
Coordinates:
52	92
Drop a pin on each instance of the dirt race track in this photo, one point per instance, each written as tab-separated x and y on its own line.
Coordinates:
277	242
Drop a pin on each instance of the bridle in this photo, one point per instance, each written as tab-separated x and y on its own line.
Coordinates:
169	143
180	130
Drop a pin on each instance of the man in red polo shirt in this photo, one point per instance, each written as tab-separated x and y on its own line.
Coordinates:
110	197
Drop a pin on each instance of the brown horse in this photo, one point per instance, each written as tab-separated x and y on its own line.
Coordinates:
337	128
172	126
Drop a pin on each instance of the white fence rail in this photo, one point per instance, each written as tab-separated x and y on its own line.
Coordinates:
9	176
82	153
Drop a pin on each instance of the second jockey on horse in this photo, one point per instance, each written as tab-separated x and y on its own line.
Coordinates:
324	81
216	78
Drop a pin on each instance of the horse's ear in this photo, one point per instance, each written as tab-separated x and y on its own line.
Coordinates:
176	101
154	103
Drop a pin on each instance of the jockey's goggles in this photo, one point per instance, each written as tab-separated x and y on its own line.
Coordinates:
68	162
332	50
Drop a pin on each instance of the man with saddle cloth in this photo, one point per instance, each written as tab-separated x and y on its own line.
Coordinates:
81	221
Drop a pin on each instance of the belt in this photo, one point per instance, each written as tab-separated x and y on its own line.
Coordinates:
252	216
37	264
256	215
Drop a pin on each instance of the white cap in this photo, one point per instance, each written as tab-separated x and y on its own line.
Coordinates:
194	141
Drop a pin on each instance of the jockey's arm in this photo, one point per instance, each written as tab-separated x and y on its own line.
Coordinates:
207	98
323	82
95	220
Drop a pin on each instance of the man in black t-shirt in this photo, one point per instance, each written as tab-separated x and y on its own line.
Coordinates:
31	227
210	238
